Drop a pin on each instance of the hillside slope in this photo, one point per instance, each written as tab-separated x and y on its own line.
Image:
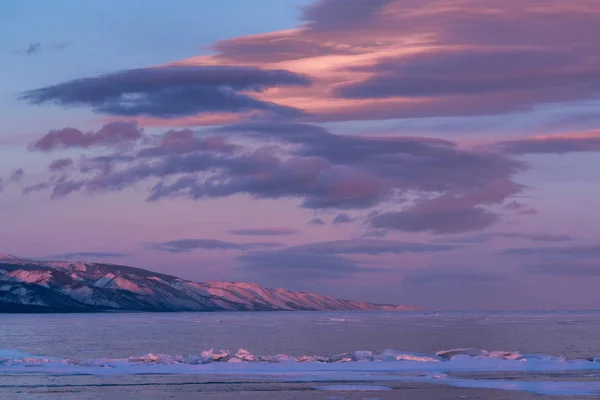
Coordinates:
34	286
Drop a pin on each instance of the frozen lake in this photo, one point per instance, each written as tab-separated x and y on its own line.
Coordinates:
357	354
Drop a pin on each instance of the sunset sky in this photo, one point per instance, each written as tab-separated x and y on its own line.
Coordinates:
442	153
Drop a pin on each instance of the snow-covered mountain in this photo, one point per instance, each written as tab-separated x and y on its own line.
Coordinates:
27	285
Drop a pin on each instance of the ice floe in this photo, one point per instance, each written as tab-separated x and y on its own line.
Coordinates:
361	367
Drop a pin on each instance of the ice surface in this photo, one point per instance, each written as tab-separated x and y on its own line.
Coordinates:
390	361
353	388
394	355
337	319
477	353
360	366
555	388
13	354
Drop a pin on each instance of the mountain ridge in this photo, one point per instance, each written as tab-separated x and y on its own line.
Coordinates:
77	286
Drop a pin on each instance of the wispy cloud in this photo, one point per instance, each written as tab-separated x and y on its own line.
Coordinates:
536	237
113	133
83	256
300	265
17	175
343	218
369	246
172	91
567	268
264	232
557	144
38	47
189	245
450	276
451	187
557	252
328	260
33	48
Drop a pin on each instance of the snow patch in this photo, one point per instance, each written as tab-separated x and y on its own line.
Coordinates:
39	277
126	284
104	280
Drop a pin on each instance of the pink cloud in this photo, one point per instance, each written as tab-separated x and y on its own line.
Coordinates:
553	144
307	162
426	58
367	60
113	133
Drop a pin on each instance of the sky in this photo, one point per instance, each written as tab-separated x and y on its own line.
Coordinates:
441	153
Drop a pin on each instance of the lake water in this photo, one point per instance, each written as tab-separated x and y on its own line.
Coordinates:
80	356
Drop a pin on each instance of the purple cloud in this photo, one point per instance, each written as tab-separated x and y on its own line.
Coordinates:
477	72
438	222
17	175
376	233
450	276
406	163
529	211
264	232
501	57
322	17
368	246
572	268
325	260
172	91
451	212
551	145
536	237
520	208
515	205
573	252
274	47
88	255
325	170
189	245
113	133
339	15
59	187
561	261
261	175
185	141
300	265
342	219
60	164
316	221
